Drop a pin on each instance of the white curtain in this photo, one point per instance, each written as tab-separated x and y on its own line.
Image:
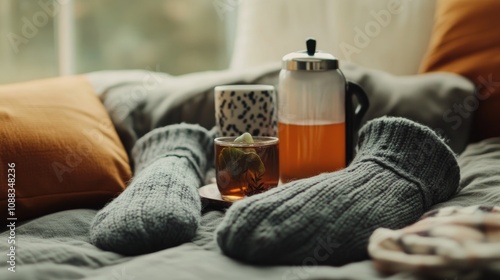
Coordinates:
45	38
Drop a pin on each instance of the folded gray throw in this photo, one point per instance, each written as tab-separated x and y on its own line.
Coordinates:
161	207
402	168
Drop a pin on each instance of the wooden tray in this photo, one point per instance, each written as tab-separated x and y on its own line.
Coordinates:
210	196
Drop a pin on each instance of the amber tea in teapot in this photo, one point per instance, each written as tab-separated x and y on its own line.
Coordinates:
316	118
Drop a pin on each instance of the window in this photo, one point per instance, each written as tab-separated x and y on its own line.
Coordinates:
44	38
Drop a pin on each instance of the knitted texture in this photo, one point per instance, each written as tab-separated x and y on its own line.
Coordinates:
161	207
401	169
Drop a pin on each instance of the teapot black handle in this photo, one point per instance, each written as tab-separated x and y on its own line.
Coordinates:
354	115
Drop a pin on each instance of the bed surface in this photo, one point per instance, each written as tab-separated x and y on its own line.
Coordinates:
56	246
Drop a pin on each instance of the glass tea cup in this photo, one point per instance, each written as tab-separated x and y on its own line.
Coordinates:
244	169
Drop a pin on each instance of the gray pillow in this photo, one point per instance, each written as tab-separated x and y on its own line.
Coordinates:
139	101
426	98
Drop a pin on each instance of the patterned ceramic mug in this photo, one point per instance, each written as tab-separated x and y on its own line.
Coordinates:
245	108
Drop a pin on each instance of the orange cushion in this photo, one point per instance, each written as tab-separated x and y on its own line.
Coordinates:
466	41
62	142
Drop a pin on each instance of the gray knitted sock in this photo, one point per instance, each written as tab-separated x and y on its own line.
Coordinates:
401	170
161	207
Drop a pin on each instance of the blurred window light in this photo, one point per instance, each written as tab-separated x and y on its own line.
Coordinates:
46	38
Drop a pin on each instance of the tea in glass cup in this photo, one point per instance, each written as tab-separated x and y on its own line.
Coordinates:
246	165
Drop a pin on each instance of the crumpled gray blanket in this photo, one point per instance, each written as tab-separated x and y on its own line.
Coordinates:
139	101
57	246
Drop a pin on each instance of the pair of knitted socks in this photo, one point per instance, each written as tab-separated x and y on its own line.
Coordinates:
401	169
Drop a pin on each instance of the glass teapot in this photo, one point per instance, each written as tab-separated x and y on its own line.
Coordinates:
316	115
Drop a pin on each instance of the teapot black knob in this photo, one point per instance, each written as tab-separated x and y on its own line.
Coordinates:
311	46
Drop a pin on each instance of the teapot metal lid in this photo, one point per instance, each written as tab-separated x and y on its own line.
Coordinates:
310	59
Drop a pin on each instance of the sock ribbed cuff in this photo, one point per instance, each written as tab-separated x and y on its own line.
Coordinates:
413	149
182	140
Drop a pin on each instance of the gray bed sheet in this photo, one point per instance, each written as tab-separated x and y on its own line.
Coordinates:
57	246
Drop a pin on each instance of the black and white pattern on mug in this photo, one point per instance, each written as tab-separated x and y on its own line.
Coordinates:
249	108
